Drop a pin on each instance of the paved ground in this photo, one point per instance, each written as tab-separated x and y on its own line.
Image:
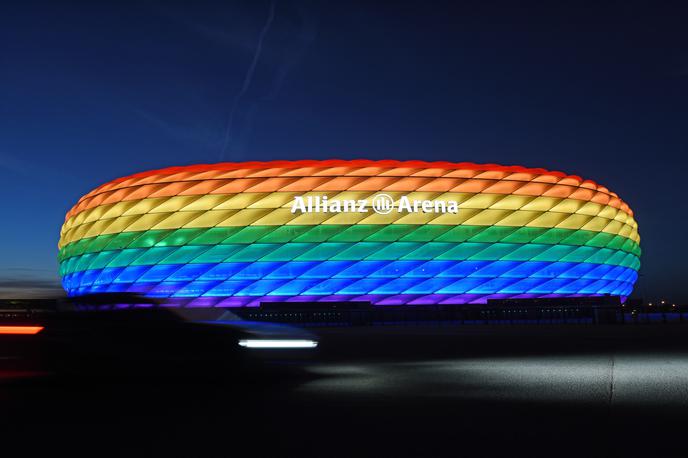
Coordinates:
401	391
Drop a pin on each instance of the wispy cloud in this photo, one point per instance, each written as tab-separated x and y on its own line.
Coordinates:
229	30
248	78
307	32
13	164
205	24
203	134
19	165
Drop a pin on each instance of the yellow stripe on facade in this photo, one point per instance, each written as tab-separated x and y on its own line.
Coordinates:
284	216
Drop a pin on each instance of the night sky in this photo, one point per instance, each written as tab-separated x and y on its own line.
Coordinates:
96	90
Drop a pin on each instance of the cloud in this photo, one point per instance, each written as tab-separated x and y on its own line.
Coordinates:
199	21
203	134
13	164
303	31
248	78
281	43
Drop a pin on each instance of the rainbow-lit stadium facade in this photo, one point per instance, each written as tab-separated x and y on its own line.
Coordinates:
229	235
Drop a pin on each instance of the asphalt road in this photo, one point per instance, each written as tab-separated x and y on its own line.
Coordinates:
386	391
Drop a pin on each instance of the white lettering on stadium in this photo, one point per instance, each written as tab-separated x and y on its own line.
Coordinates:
381	203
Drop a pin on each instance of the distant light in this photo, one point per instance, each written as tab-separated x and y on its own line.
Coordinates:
281	343
20	330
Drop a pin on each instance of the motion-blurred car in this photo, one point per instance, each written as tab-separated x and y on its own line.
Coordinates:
128	334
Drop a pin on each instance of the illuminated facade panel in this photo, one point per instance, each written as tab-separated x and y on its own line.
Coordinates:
388	232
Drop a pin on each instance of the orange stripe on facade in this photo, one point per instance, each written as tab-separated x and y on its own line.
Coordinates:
373	184
382	175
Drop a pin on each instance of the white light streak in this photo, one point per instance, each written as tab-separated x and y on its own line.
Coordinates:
281	343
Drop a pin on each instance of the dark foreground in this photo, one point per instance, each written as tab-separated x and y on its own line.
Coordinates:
383	391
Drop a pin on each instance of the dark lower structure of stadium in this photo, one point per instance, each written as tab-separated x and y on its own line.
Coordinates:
581	310
596	310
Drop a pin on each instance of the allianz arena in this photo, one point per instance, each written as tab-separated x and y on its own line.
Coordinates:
387	232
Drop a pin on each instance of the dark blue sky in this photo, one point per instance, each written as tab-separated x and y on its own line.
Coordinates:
92	91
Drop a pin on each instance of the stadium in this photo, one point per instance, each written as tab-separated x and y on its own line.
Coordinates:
384	232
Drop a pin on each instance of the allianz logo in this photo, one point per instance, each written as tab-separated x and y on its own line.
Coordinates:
380	203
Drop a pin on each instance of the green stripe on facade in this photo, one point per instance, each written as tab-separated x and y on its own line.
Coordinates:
348	252
349	234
